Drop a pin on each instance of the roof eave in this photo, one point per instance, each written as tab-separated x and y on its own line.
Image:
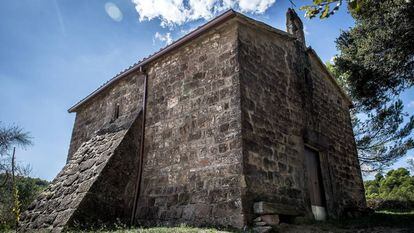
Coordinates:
344	94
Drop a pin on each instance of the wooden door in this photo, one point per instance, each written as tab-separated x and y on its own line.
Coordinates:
315	184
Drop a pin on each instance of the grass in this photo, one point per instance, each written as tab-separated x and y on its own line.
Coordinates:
180	229
381	219
377	220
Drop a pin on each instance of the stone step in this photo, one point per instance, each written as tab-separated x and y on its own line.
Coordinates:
260	223
264	208
262	229
258	219
271	220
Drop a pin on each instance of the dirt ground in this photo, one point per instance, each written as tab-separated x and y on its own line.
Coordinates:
311	228
379	222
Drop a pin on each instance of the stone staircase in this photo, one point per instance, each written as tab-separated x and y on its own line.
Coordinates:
269	215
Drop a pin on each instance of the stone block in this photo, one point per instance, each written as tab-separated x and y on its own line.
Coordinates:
258	219
270	220
262	229
265	208
261	223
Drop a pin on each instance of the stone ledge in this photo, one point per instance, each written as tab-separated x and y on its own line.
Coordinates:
263	208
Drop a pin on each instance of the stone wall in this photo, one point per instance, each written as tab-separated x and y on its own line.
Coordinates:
91	188
95	113
111	197
192	165
288	101
339	158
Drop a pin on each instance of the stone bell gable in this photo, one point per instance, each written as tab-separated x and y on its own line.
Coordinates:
236	124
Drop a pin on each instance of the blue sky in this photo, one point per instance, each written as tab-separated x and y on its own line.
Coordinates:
55	52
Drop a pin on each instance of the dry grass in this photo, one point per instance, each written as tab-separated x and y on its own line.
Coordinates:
181	229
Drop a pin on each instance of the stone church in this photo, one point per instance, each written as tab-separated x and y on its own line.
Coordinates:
235	124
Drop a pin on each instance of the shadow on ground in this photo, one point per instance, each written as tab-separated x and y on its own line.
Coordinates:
378	222
383	222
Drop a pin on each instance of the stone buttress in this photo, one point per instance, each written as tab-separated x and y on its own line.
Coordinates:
95	186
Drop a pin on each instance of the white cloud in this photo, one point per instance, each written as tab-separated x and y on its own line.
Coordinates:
177	12
113	11
411	104
255	6
166	38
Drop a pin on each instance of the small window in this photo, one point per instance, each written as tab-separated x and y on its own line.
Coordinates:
116	113
308	78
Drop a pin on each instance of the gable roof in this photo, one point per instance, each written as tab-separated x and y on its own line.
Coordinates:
330	75
224	17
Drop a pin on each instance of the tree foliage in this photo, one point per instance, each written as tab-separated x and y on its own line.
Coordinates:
378	53
27	188
395	185
11	136
326	8
410	163
383	135
375	64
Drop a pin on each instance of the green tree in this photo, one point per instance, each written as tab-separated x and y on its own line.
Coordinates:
378	53
28	188
375	64
383	134
397	184
410	163
10	137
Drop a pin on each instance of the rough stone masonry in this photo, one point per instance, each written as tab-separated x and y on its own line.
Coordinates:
242	125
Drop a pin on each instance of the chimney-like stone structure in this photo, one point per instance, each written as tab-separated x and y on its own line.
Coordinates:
294	25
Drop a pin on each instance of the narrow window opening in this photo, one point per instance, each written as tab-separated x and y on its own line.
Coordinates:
116	113
308	79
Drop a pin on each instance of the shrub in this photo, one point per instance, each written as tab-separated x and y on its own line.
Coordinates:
390	205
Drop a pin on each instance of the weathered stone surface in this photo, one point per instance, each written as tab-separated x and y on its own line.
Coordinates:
271	220
266	208
193	144
260	223
94	115
262	229
289	101
258	219
67	199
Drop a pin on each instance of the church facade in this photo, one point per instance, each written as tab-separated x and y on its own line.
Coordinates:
236	124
